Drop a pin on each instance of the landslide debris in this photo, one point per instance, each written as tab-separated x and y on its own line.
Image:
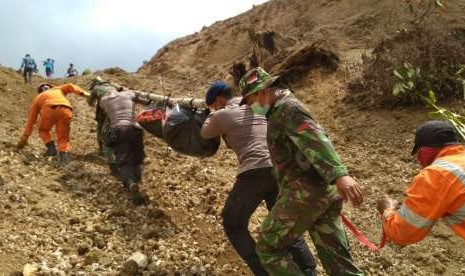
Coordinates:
75	220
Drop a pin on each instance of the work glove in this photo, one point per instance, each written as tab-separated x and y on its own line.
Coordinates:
385	203
86	94
22	142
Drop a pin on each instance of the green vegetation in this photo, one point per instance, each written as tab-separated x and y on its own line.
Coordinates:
408	78
87	72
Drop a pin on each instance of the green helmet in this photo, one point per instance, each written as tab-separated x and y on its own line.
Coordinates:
255	80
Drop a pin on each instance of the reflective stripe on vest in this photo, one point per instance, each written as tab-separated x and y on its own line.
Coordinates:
459	216
457	171
414	219
456	218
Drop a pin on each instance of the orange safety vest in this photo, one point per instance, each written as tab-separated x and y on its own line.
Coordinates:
437	192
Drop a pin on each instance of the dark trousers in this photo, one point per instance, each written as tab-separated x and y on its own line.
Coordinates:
129	151
27	74
100	117
250	188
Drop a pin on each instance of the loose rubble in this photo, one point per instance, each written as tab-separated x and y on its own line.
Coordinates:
76	219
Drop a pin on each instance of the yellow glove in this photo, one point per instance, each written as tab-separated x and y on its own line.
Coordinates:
22	142
86	94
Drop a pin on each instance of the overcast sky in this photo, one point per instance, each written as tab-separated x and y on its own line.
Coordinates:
98	34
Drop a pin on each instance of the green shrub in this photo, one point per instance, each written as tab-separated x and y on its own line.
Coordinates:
408	78
87	72
437	55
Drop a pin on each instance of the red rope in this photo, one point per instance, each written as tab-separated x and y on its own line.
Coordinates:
361	237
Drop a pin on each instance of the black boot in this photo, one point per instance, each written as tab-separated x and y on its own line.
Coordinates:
51	150
137	197
63	157
114	170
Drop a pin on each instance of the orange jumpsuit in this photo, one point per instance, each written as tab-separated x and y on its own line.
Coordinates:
54	109
437	192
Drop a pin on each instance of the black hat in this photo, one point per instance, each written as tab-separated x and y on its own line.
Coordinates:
435	134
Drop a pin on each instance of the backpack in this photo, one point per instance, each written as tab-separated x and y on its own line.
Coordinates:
29	63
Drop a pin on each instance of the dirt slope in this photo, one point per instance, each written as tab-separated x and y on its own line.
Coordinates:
68	218
75	220
350	27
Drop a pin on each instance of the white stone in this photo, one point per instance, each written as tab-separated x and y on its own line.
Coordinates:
30	270
141	259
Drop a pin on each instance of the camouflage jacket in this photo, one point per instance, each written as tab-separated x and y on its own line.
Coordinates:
299	146
98	91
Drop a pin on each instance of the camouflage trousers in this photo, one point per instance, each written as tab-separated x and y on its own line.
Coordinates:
302	207
103	126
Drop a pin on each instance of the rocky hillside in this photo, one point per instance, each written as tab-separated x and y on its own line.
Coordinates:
75	220
350	28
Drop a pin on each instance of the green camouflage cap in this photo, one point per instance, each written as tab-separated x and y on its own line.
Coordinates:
255	80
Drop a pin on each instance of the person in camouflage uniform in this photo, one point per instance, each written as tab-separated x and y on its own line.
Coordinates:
98	89
313	182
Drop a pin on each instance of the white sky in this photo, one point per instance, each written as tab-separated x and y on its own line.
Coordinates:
98	34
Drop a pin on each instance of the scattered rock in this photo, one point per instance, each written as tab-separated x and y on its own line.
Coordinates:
117	212
92	257
106	261
83	248
104	229
55	186
30	270
156	213
74	260
151	233
84	208
100	242
140	258
129	268
44	207
73	221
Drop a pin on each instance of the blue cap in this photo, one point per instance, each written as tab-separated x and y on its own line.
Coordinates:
214	91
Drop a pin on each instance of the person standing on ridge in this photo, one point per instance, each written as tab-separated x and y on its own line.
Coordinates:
437	192
55	110
313	181
49	67
245	134
29	66
71	72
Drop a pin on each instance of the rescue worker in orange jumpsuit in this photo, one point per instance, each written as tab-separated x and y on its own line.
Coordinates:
55	110
437	192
